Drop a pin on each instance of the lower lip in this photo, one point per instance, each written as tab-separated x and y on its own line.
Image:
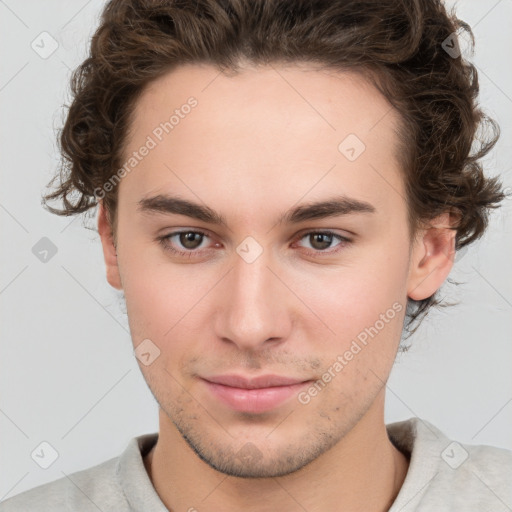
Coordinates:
254	400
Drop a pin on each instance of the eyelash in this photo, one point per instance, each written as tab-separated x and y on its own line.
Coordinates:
164	241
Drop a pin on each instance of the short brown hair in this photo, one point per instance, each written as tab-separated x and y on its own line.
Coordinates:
396	44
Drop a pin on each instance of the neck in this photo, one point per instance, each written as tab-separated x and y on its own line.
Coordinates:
363	472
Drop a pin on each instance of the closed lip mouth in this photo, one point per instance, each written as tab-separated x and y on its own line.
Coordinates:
260	382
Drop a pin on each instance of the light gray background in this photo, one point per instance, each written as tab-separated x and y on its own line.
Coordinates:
67	372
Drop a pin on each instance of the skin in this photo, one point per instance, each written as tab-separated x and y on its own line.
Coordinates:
253	148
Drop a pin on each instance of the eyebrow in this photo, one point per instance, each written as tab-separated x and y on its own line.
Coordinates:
331	207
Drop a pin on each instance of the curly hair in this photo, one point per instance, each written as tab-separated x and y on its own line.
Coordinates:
401	46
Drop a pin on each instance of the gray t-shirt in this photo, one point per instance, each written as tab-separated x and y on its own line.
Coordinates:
443	476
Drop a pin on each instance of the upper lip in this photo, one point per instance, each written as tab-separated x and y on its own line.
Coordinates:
262	381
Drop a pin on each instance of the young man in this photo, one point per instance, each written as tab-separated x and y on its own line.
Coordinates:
281	184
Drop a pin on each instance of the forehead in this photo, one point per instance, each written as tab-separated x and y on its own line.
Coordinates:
263	131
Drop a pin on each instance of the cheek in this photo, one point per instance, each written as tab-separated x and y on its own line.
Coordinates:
366	312
152	292
165	303
355	296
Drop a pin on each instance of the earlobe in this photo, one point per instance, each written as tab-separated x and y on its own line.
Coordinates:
109	249
432	258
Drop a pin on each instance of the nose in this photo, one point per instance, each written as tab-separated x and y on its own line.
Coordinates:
255	308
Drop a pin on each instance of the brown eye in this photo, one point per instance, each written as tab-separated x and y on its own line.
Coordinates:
184	243
190	239
323	242
320	241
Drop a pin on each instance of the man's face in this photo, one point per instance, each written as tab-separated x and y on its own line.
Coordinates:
258	297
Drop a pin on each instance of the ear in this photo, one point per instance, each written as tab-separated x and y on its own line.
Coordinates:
432	257
109	249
